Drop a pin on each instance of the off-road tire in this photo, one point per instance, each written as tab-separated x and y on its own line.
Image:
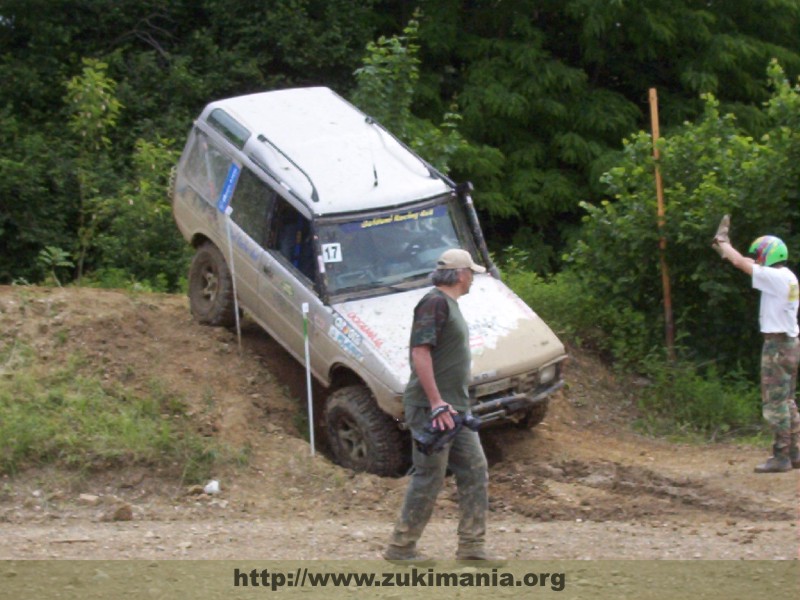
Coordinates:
361	436
211	288
534	416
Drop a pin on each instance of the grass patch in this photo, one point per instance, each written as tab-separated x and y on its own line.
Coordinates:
687	402
58	415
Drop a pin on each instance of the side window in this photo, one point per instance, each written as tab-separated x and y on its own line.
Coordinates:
290	237
206	167
251	204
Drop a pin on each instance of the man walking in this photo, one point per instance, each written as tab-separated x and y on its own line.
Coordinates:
781	350
438	388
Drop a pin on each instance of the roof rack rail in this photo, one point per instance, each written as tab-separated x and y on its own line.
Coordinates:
314	194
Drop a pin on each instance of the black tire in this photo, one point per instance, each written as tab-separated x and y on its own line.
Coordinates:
534	416
211	288
361	436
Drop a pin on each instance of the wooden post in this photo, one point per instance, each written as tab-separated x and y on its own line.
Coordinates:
669	326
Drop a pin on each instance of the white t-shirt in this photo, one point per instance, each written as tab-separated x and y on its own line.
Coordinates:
780	298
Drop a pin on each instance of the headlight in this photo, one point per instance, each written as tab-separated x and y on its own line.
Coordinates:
548	374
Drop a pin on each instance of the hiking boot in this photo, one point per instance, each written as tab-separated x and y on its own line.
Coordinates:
480	558
775	464
794	456
400	555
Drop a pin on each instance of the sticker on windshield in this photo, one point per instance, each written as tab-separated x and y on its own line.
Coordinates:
332	253
417	215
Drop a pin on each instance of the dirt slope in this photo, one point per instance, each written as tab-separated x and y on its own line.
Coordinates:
581	485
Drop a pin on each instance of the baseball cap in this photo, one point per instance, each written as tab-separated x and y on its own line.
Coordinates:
455	258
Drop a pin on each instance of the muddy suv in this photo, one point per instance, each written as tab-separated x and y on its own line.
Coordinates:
294	198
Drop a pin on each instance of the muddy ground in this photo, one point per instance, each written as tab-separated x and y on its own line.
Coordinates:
582	485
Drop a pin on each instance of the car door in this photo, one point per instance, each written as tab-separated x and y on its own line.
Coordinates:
251	205
287	277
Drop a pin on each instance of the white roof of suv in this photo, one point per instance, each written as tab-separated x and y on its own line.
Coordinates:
332	156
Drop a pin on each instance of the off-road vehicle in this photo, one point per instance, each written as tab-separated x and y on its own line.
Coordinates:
296	197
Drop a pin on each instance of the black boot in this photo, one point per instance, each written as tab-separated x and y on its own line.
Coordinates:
779	462
794	456
480	557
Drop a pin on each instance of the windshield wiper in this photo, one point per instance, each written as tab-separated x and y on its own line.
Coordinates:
418	275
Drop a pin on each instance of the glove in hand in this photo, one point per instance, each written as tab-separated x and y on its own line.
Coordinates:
722	234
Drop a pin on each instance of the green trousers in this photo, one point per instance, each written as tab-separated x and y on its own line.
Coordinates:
779	358
465	459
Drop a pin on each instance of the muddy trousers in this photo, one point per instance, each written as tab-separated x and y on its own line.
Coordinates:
466	460
779	358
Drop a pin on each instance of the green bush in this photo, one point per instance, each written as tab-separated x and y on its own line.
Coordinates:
141	242
576	313
681	397
122	279
685	398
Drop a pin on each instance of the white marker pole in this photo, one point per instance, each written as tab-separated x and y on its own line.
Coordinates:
223	206
308	377
228	211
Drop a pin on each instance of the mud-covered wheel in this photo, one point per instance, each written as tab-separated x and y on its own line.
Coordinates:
361	436
211	288
534	416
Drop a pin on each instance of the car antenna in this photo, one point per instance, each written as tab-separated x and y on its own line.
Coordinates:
379	129
370	121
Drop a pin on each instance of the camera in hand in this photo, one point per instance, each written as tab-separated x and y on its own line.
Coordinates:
432	440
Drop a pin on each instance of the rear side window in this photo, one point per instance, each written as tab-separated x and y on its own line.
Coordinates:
235	132
251	204
206	167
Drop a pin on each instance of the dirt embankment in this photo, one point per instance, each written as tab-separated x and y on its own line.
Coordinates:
581	485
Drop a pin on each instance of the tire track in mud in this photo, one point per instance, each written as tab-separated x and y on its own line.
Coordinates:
610	491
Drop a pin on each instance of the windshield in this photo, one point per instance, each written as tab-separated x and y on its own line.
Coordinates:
392	248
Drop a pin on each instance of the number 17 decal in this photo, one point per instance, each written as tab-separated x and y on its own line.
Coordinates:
332	253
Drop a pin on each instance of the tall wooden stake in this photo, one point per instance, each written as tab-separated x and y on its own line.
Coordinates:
669	326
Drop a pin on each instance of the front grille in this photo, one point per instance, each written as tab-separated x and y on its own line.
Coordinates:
508	386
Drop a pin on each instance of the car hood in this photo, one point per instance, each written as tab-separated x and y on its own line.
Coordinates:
506	336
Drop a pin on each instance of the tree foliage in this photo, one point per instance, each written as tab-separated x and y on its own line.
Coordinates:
386	85
709	168
93	111
556	85
528	99
141	227
161	62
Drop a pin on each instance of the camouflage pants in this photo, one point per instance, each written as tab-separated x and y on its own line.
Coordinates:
467	462
779	358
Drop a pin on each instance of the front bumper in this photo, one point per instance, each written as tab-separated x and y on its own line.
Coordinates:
506	407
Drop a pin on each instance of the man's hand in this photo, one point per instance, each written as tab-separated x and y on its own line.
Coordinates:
722	235
442	416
